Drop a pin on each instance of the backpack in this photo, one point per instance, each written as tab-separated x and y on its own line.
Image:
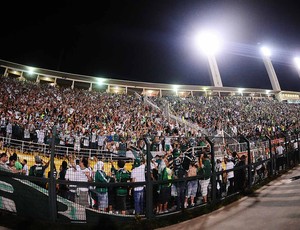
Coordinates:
37	171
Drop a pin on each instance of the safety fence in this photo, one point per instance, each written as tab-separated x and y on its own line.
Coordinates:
175	182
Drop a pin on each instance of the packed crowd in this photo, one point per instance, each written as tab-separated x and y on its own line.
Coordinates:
83	119
113	122
88	119
237	115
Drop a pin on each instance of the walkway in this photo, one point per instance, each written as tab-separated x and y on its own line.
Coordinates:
274	206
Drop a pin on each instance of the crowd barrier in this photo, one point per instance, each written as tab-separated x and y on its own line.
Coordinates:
20	194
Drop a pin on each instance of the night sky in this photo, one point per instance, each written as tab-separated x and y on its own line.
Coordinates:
151	41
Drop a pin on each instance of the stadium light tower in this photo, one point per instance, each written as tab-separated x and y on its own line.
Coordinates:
297	62
209	45
270	69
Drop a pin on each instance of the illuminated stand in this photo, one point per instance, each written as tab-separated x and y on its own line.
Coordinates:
209	44
270	69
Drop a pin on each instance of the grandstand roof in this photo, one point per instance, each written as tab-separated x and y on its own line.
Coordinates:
20	70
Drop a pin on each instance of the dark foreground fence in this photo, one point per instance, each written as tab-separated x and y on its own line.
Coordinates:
174	185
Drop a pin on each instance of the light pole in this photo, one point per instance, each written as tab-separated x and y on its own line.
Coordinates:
209	45
297	62
266	53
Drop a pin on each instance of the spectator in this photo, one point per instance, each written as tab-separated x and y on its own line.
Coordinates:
18	165
38	170
122	176
71	175
205	174
83	175
240	175
3	162
179	173
165	174
219	178
11	164
138	175
62	188
102	191
230	174
192	185
25	167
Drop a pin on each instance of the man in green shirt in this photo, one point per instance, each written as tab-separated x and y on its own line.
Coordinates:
102	193
18	165
122	175
205	174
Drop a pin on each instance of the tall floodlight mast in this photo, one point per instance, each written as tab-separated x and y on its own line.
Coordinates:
209	45
297	62
266	53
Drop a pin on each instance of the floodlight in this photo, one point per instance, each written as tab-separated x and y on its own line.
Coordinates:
175	87
31	70
297	62
266	51
208	42
100	81
240	90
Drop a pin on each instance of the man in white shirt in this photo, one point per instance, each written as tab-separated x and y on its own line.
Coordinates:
138	175
230	175
280	158
8	132
279	149
296	144
83	174
71	175
25	167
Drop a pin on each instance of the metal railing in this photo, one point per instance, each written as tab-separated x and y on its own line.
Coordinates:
20	194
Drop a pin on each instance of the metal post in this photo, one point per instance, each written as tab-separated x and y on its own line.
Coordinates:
149	183
271	156
213	179
52	184
249	162
298	145
287	152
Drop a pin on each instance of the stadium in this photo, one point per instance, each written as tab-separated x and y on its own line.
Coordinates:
246	137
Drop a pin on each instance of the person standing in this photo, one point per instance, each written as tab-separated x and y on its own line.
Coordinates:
138	175
240	176
101	191
122	148
192	185
25	167
219	178
38	170
82	192
165	174
9	130
230	175
205	174
122	175
71	175
62	188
